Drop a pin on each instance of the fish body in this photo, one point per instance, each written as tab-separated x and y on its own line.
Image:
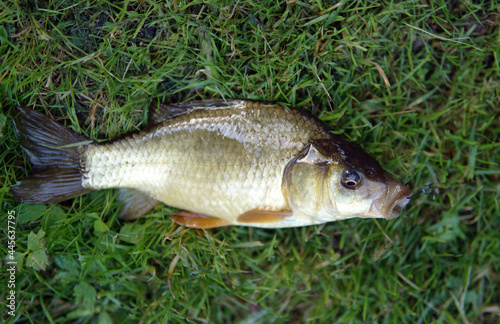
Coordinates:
234	162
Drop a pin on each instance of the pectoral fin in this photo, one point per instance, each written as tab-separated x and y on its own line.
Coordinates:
263	216
135	203
198	220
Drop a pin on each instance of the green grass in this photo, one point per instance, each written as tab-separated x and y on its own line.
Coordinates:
416	83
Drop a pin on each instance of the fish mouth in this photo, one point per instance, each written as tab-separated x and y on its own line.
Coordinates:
396	208
391	204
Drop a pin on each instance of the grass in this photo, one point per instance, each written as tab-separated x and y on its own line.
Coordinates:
416	83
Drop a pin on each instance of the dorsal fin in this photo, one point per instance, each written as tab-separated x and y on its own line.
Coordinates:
159	112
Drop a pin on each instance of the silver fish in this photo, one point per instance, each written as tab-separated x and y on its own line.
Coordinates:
225	162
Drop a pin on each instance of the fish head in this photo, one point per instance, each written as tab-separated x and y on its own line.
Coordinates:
338	180
352	192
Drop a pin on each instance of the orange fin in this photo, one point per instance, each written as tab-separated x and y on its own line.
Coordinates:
195	220
263	216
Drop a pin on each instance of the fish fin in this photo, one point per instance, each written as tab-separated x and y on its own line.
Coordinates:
135	203
54	153
160	112
196	220
263	216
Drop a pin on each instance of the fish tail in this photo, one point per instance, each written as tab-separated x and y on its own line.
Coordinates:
54	153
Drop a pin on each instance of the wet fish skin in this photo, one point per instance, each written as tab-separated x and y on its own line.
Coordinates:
221	161
243	162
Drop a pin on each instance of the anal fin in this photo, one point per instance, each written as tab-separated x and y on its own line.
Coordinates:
135	203
263	216
196	220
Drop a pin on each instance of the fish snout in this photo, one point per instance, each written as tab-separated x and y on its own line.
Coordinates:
391	204
398	197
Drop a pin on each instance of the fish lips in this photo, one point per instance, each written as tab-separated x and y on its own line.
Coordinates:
396	207
391	204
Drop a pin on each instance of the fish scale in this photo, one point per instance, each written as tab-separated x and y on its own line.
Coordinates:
226	162
220	166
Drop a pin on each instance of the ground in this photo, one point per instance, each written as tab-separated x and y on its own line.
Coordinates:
415	83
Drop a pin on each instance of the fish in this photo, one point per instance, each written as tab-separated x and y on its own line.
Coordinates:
218	162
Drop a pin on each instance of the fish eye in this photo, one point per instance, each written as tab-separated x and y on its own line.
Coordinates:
350	179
